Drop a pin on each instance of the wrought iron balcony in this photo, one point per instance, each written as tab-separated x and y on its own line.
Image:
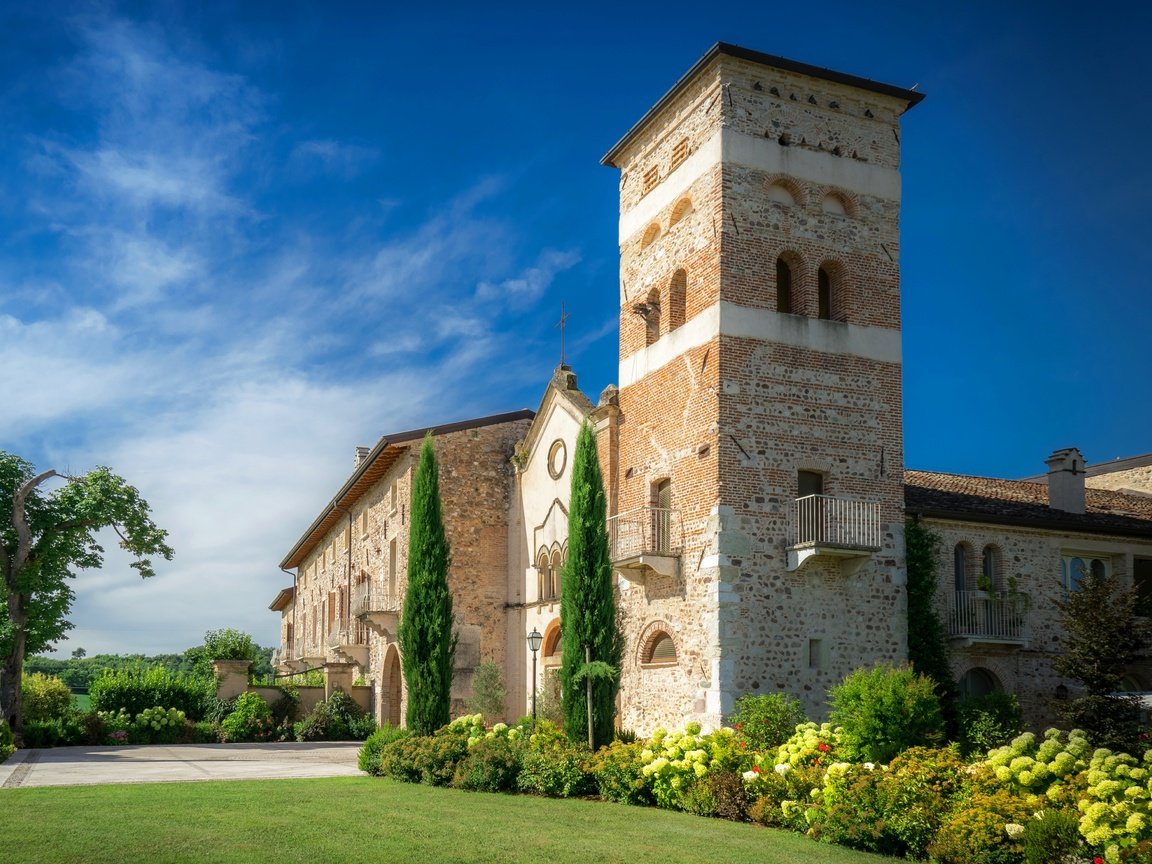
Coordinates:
350	643
648	539
829	527
999	617
376	607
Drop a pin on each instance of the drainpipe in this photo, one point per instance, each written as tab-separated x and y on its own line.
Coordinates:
295	598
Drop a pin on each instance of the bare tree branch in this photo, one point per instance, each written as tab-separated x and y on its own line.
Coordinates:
20	522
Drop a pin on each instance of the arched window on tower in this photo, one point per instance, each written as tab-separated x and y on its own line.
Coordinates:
543	576
991	578
557	568
650	311
824	294
960	566
783	286
677	297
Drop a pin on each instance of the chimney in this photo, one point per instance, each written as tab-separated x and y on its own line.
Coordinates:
362	454
1066	480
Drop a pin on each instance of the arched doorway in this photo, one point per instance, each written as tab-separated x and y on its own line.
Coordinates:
391	691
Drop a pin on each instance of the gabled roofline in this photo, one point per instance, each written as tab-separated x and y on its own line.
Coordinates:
910	96
374	466
1060	524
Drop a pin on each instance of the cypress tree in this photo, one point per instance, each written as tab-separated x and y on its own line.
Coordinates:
427	640
927	641
588	602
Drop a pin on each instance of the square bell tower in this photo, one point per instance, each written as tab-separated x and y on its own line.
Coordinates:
759	481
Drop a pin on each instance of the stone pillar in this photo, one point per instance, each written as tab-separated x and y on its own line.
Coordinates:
338	676
231	677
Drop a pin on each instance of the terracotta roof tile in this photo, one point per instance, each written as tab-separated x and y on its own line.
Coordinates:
1023	502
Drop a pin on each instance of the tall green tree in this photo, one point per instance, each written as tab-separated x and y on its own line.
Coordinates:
426	635
588	603
927	642
45	536
1102	637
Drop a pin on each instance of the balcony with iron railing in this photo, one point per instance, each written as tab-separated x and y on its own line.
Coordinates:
376	607
350	642
838	528
996	617
646	540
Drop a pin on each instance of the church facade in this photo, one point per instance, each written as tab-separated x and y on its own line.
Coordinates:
752	452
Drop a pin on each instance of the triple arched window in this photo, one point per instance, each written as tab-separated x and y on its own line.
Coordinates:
549	571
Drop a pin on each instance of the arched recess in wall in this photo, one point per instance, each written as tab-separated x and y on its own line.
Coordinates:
391	688
558	555
840	203
786	191
680	211
543	575
552	647
979	681
833	292
677	298
651	235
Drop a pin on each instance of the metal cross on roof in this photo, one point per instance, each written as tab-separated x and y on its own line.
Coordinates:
560	324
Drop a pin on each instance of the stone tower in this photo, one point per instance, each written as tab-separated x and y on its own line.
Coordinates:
757	456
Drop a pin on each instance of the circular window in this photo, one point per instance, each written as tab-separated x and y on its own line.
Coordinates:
557	458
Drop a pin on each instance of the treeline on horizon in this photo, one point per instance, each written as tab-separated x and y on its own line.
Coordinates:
79	672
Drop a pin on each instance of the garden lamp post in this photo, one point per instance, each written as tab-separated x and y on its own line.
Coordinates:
534	640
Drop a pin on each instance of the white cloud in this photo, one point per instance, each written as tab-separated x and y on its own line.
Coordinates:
533	282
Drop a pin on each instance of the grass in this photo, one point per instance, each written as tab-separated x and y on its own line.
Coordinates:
81	701
362	819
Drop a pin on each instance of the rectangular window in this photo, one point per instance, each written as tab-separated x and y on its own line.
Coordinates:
814	654
364	523
392	569
679	153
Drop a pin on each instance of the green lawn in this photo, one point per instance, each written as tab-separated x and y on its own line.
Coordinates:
369	820
81	702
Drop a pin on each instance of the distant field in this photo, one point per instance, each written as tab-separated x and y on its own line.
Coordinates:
369	821
82	701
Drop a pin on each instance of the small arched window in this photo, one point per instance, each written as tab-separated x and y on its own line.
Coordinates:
651	234
650	310
677	297
783	286
990	576
683	208
543	576
553	647
557	570
824	294
661	649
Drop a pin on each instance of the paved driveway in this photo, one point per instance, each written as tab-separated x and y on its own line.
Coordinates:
81	766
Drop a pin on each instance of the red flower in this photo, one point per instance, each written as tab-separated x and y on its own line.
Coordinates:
737	726
755	769
1097	860
822	747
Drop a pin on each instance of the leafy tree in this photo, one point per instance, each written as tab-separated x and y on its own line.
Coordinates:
426	636
488	692
927	643
588	603
44	537
79	654
1102	637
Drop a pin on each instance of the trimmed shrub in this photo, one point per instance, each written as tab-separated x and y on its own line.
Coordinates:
916	791
987	721
729	795
398	758
766	720
66	731
783	794
136	690
559	770
849	810
45	697
250	720
619	772
883	711
337	718
369	758
204	732
492	765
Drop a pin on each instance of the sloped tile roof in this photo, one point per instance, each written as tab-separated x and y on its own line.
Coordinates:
1023	502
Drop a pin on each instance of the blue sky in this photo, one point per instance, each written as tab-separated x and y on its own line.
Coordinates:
238	239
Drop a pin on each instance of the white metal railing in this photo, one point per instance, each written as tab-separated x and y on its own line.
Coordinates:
353	634
999	615
369	597
646	530
823	519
